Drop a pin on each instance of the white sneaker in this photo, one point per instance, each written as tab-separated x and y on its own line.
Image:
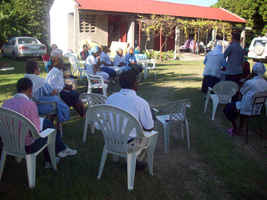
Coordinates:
48	165
67	152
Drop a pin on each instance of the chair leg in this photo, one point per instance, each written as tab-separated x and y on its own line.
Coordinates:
85	130
206	103
131	164
60	129
31	169
150	153
52	150
187	134
166	137
102	163
246	132
215	102
92	128
2	163
105	91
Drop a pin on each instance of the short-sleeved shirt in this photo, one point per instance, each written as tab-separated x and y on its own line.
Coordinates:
55	78
118	60
23	105
129	101
105	58
130	58
235	57
91	61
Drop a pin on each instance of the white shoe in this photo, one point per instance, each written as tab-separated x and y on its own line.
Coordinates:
67	152
48	165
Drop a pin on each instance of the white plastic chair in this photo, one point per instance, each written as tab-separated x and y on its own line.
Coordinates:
177	115
221	93
13	129
96	82
116	125
259	100
150	66
76	65
91	99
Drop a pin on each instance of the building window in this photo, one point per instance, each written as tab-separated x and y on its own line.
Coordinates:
87	23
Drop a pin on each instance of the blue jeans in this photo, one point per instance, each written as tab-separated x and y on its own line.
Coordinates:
39	143
111	72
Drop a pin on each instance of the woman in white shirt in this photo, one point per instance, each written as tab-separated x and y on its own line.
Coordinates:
93	63
55	78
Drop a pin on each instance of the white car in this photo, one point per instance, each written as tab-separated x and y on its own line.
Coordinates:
258	48
18	47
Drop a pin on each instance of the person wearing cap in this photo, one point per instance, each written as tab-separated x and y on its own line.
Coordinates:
244	107
93	63
214	62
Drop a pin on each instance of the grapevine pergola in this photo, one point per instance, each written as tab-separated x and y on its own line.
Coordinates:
165	26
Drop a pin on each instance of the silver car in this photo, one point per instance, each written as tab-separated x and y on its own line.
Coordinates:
18	47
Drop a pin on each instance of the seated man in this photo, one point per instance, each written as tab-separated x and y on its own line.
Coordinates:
131	61
22	104
85	52
244	106
55	78
128	100
106	64
93	63
119	61
42	91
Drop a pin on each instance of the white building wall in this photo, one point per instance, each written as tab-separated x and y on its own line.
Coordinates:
59	27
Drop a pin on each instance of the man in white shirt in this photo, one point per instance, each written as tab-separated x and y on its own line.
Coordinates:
127	99
93	63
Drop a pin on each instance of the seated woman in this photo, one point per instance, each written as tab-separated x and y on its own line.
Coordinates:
43	92
120	62
214	63
244	107
131	61
55	79
93	63
106	64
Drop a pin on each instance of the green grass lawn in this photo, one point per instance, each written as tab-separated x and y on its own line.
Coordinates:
217	167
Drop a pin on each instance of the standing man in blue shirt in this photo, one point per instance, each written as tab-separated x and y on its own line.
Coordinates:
234	55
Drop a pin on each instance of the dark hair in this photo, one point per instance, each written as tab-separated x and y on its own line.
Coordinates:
236	36
23	84
30	66
128	79
85	46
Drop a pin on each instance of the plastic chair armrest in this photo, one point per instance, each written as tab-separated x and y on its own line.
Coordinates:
148	134
47	132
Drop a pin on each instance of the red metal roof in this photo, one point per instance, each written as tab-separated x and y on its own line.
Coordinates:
159	8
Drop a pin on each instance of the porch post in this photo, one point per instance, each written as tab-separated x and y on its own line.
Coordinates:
76	29
243	38
177	42
130	34
160	42
139	34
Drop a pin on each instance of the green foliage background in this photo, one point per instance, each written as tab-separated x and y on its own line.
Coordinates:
24	18
254	11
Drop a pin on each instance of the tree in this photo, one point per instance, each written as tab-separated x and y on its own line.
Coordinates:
254	11
24	18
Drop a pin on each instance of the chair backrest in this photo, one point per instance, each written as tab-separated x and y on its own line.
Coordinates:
74	62
13	129
93	99
258	100
116	125
94	80
179	111
225	90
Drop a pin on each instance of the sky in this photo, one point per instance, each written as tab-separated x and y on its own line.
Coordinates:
194	2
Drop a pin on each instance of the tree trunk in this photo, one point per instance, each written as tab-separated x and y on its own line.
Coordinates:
177	42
